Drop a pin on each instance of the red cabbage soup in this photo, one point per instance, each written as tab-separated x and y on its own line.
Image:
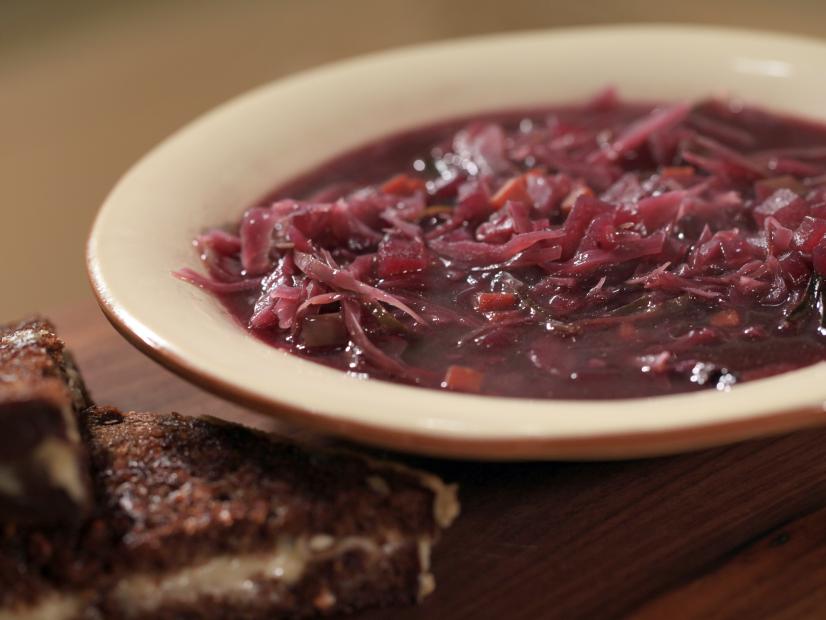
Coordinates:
602	250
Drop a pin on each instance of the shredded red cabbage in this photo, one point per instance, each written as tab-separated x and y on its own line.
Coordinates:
594	251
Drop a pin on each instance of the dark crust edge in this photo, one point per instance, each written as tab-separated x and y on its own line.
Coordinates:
46	504
52	346
446	506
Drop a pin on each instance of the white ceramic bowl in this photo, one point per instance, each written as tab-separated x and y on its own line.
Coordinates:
207	173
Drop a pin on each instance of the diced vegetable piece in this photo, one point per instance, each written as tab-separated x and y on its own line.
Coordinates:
403	185
435	210
656	211
387	320
488	302
780	238
766	187
573	195
677	172
809	233
784	205
463	379
513	189
696	337
725	318
656	363
398	256
324	330
627	331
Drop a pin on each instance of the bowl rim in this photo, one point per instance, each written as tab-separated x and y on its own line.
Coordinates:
434	441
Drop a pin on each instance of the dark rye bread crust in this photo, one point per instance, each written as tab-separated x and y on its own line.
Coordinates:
22	578
41	393
173	492
224	488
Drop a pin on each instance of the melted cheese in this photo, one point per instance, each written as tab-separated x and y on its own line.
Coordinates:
234	578
53	607
9	482
58	459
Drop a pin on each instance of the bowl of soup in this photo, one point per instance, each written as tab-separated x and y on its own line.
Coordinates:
565	244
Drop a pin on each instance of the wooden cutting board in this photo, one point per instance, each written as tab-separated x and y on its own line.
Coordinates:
734	532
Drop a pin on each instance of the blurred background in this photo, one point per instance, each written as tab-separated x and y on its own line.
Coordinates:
88	86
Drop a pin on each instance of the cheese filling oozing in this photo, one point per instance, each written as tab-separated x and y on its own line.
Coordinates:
55	460
58	459
239	578
52	607
9	482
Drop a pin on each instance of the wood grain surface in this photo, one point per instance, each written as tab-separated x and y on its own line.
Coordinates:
734	532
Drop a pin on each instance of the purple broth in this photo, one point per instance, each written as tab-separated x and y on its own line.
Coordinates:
606	250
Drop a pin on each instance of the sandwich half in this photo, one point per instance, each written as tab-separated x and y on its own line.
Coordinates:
203	519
